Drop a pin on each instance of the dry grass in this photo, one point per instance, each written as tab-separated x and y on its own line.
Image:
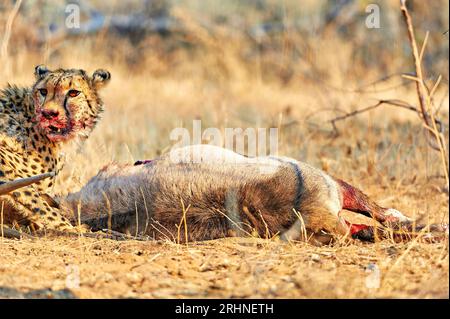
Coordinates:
383	152
229	268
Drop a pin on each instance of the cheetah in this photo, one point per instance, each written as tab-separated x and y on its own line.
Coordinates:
35	123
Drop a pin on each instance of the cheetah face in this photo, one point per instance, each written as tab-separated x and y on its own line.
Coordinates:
66	102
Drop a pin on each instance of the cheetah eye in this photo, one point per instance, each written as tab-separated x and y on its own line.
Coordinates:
74	93
43	92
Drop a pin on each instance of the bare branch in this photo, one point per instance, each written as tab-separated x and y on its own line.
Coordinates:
6	232
424	95
420	87
397	103
9	187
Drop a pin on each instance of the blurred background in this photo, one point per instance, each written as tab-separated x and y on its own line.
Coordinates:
283	41
290	64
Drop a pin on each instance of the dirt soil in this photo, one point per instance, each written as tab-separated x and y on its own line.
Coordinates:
62	267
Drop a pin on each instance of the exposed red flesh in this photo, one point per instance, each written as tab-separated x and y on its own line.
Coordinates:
356	201
356	228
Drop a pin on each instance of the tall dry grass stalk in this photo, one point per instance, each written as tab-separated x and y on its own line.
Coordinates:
1	220
183	223
4	57
425	96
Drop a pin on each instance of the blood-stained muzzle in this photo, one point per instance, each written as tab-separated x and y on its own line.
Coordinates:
54	123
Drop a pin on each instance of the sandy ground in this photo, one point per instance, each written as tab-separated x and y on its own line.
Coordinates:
56	267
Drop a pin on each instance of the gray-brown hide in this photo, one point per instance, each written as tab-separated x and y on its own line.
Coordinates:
219	192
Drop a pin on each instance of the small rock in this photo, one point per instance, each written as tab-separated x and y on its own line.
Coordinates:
106	277
134	277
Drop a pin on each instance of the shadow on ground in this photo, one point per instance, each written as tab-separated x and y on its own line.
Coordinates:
12	293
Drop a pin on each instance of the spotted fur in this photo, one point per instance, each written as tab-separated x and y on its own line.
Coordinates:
35	122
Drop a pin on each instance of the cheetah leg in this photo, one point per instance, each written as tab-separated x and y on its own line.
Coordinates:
30	205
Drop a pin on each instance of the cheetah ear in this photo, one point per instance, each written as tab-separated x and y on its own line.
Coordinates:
100	78
40	71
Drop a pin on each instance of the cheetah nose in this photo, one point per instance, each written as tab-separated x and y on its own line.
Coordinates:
50	114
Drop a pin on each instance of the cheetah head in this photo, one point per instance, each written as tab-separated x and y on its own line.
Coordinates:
66	102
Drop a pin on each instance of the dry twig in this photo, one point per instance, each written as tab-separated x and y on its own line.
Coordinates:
396	103
425	96
8	187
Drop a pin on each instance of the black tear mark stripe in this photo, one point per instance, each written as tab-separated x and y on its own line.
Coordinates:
66	110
